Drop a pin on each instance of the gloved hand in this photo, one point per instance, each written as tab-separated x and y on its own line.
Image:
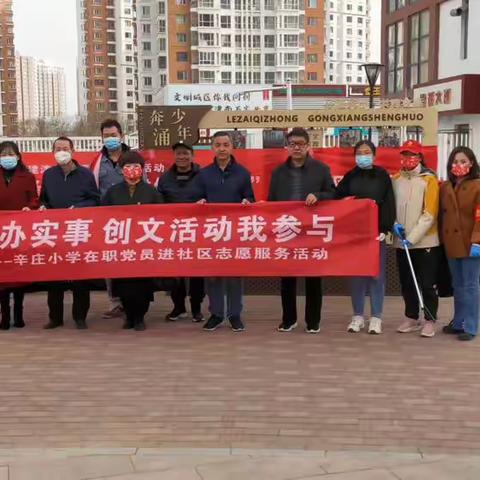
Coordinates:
475	250
406	243
399	230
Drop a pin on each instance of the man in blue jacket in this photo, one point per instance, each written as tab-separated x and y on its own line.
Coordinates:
177	186
68	185
224	181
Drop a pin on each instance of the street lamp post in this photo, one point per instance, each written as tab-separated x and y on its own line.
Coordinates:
372	70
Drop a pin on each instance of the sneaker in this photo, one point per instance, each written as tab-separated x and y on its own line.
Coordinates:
197	317
284	327
409	325
451	330
236	324
313	329
356	324
175	314
465	337
428	329
115	312
213	323
375	326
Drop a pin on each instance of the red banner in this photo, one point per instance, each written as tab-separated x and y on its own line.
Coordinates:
335	238
260	163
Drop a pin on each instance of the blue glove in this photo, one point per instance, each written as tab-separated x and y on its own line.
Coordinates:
399	230
475	250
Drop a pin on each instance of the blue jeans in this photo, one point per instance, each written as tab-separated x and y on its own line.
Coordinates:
218	288
466	293
374	286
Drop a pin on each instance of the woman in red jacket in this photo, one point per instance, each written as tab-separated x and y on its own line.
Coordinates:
18	191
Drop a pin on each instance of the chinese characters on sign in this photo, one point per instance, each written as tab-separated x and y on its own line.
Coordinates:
439	97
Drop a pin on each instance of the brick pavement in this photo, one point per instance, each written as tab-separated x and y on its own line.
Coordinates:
177	386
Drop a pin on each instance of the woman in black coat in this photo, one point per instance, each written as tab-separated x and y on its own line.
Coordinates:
135	293
366	180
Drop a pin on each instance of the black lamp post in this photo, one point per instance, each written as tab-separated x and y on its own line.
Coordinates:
372	70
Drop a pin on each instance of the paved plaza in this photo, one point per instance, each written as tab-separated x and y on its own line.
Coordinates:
176	402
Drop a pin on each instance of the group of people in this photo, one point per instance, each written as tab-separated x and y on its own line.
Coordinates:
424	216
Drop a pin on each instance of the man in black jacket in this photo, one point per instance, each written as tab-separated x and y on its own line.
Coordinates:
301	178
176	186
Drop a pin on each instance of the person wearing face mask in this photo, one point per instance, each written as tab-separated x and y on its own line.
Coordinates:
68	185
108	173
417	203
18	191
367	180
134	293
460	234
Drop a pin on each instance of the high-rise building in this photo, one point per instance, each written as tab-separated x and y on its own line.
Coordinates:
228	41
8	88
27	88
347	40
107	60
41	90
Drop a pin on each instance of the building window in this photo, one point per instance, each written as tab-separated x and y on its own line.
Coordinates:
146	29
182	75
225	4
312	40
290	40
269	5
226	77
349	79
207	40
161	26
148	98
145	12
226	59
162	62
147	46
225	21
182	57
290	21
290	4
269	77
181	19
181	37
147	81
147	64
269	59
312	21
161	8
206	20
269	23
349	19
207	77
312	58
269	41
206	58
312	76
419	46
226	40
359	79
162	44
395	58
205	3
396	4
312	4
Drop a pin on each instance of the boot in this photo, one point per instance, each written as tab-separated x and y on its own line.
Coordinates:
5	309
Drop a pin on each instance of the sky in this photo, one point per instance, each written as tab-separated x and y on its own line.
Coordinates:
46	29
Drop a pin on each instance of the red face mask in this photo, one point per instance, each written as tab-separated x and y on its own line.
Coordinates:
409	163
460	169
133	173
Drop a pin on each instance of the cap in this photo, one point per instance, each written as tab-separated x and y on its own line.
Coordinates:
183	145
411	146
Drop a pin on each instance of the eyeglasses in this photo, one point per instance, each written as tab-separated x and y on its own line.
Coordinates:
297	144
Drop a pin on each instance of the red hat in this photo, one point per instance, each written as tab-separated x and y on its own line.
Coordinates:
411	146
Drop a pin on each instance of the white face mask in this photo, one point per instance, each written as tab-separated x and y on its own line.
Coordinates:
62	157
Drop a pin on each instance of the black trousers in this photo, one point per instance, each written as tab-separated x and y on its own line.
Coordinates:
313	300
81	301
196	290
18	296
425	263
136	306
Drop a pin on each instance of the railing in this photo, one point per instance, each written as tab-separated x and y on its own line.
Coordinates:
81	144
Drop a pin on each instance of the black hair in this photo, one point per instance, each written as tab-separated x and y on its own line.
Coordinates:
368	143
130	157
222	133
298	132
9	145
65	139
468	152
111	123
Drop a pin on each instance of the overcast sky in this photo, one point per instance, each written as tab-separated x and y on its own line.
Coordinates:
46	29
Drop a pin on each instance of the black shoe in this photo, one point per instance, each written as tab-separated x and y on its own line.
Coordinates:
213	323
175	314
140	326
127	325
19	323
51	325
4	325
451	330
465	337
236	324
197	317
81	324
286	327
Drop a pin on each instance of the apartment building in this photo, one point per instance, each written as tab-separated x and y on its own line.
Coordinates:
347	40
27	88
8	85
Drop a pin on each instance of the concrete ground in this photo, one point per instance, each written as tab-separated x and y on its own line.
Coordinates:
175	402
